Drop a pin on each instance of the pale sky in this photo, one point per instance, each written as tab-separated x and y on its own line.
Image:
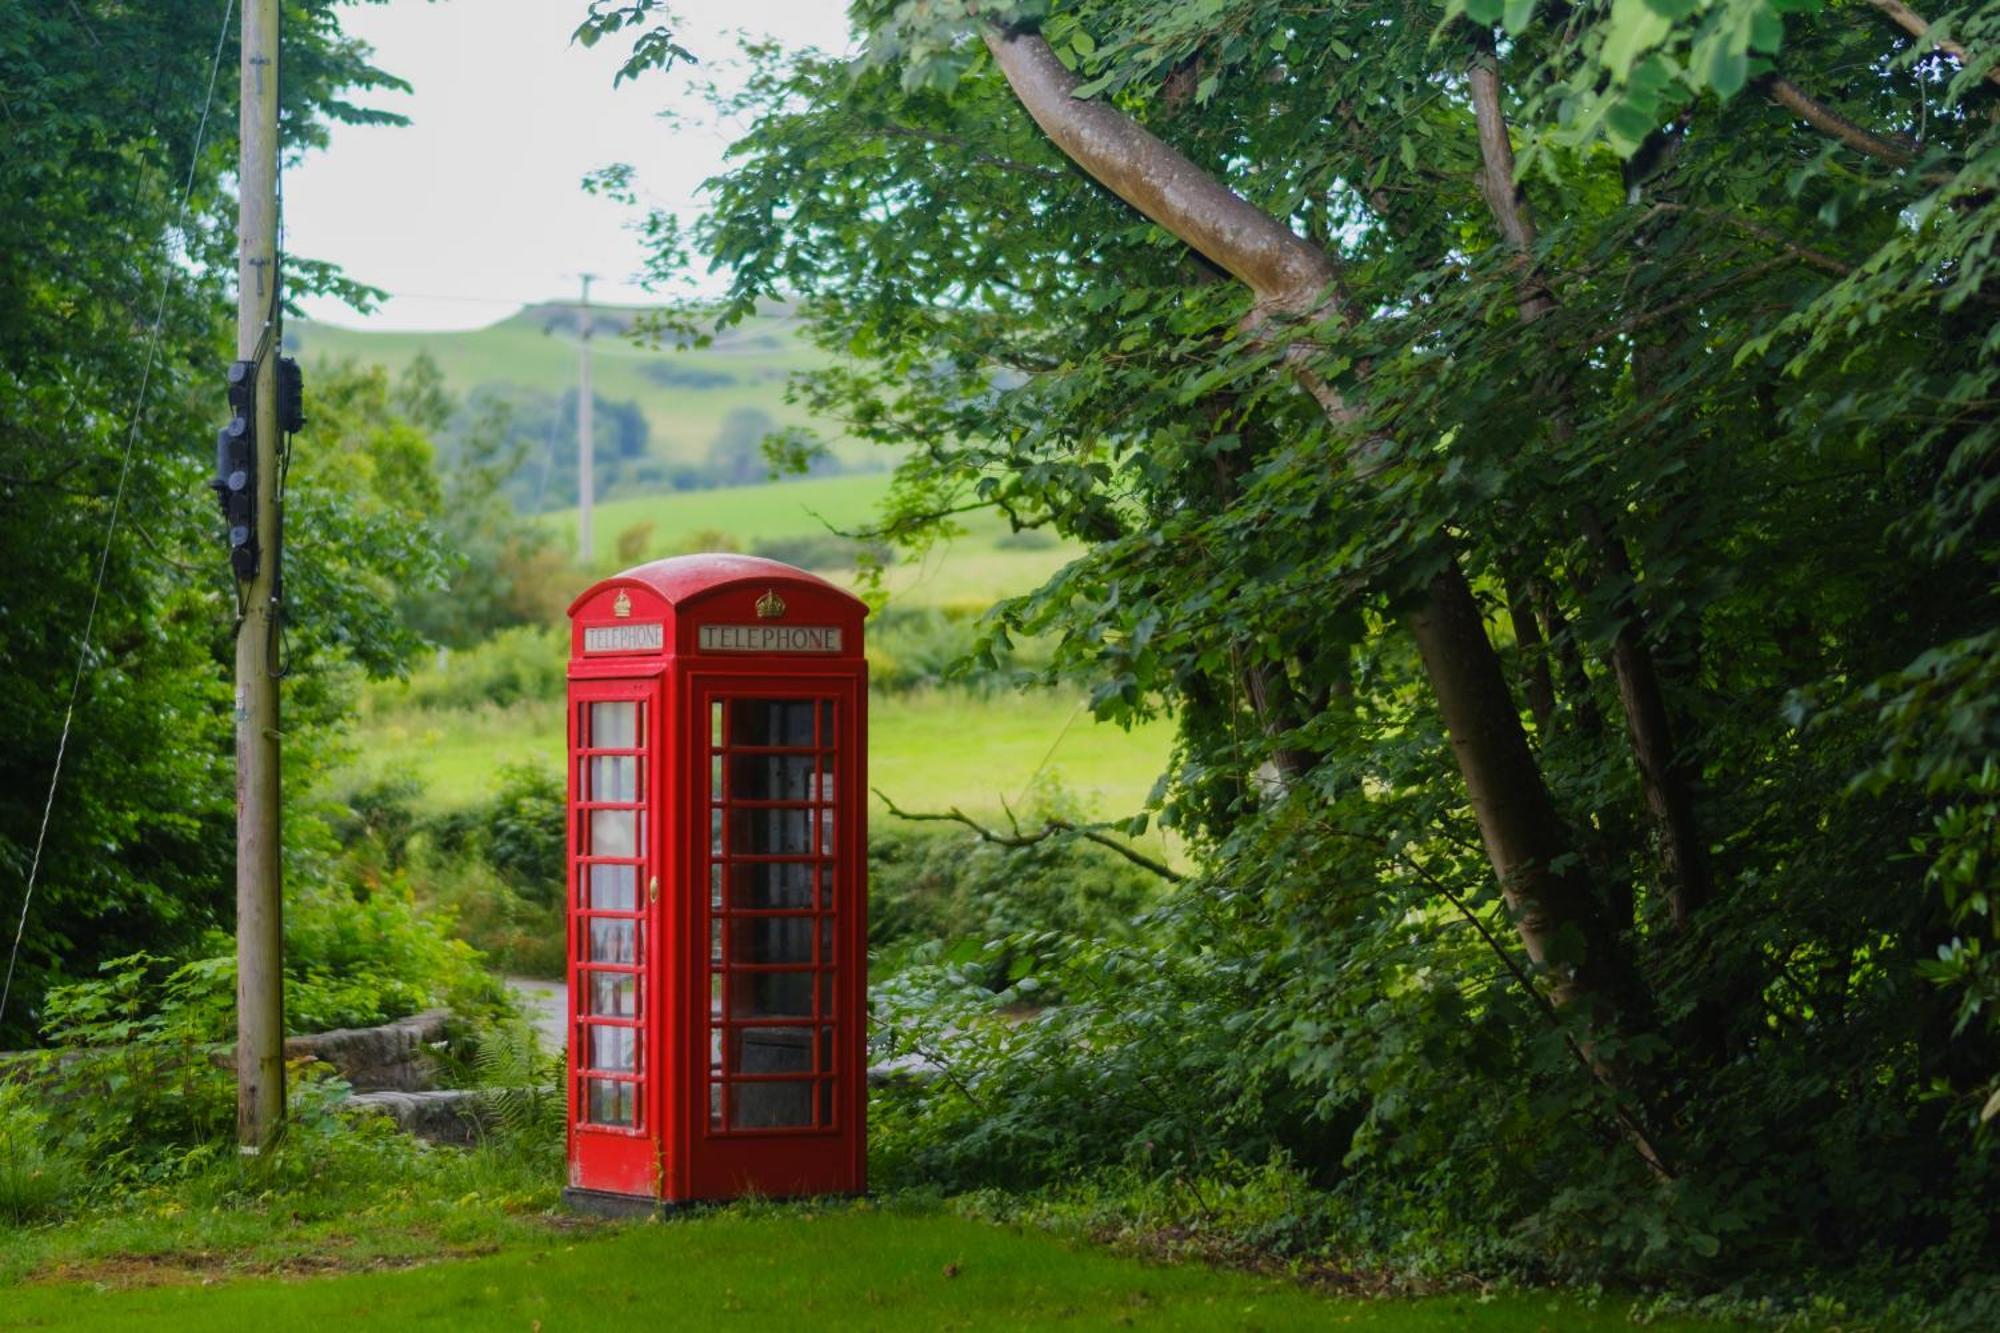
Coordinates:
475	208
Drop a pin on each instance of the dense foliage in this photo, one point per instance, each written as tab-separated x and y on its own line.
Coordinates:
115	324
1544	458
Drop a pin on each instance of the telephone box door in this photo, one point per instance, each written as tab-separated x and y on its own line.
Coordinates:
614	771
778	852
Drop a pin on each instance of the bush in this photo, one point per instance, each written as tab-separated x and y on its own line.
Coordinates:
823	550
37	1173
932	884
1027	539
524	662
523	829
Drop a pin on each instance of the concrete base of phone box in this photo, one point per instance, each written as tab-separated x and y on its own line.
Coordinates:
603	1203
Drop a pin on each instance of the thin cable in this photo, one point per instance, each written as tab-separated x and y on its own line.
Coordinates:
117	503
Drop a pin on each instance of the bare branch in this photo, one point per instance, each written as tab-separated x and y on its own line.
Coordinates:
1019	839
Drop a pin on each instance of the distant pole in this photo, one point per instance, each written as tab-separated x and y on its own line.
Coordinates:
260	1001
585	486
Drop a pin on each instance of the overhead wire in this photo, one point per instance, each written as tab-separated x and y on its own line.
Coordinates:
117	503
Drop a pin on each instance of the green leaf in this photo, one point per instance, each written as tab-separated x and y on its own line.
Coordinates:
1484	11
1634	29
1727	71
1517	15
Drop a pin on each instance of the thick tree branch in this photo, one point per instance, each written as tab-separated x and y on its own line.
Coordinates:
1246	242
1019	839
1834	125
1910	21
1525	840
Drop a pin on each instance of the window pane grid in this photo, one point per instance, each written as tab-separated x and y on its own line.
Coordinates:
608	863
771	837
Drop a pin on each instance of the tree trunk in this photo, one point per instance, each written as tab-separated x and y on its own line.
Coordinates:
1525	842
1669	795
1541	876
1536	683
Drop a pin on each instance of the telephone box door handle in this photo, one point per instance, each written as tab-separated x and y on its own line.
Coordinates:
653	889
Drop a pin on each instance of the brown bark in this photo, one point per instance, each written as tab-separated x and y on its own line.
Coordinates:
1276	705
1536	683
1917	26
1668	793
1831	123
1540	876
1562	644
1530	852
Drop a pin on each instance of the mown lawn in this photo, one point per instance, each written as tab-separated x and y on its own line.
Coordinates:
846	1267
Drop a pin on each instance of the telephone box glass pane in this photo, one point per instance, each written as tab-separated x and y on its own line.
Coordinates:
770	832
773	1051
770	995
613	777
614	833
770	1105
780	939
611	1102
614	726
613	888
614	941
771	777
614	994
614	1049
771	722
762	885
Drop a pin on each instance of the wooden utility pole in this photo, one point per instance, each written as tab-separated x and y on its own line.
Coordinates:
260	1002
585	485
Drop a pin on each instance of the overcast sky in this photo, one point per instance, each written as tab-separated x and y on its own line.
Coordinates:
475	208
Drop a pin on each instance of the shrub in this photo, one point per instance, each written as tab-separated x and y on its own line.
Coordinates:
823	550
1027	539
523	827
37	1173
524	662
931	884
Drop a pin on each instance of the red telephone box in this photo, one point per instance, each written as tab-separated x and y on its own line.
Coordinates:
717	901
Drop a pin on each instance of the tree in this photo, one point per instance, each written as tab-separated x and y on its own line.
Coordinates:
108	287
1423	389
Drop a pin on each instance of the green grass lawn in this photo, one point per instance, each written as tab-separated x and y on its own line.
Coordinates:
804	1267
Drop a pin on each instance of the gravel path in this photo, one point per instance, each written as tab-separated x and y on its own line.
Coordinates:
546	1004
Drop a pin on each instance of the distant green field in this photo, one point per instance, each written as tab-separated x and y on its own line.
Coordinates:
748	367
929	749
748	514
972	570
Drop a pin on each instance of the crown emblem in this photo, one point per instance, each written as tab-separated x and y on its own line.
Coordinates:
621	605
770	606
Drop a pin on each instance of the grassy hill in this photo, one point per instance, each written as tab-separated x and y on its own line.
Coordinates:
683	393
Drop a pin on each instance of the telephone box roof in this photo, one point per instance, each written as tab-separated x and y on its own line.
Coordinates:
682	578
